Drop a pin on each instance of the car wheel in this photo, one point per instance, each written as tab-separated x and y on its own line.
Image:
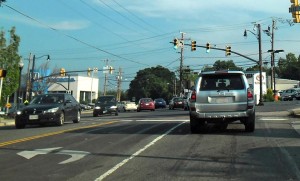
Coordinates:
77	119
61	120
19	124
250	123
116	114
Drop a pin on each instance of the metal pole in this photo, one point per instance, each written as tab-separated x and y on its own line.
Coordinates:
92	87
181	63
28	78
32	77
260	67
273	57
19	90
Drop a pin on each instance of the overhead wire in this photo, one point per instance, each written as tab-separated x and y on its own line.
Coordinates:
71	37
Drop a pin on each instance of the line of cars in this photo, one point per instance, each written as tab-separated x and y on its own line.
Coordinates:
57	108
290	94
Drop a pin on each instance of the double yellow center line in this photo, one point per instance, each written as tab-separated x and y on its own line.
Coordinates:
52	134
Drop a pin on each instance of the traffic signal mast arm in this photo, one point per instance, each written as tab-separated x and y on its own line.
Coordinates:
223	49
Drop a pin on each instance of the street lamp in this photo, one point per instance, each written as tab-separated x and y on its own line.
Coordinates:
21	65
32	72
258	36
273	67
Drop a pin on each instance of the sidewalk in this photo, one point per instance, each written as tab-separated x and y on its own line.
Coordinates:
7	122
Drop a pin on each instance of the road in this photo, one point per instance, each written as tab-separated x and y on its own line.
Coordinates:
153	146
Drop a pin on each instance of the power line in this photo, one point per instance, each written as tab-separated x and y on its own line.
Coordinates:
71	37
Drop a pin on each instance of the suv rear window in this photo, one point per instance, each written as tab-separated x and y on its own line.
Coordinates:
222	81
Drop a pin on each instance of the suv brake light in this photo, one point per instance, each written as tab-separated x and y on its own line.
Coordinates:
193	96
249	94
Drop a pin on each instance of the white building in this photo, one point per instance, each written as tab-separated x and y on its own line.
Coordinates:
254	82
81	87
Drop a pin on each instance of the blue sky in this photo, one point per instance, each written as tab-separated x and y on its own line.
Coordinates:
134	35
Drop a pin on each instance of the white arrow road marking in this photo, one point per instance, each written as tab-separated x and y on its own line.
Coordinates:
75	155
31	154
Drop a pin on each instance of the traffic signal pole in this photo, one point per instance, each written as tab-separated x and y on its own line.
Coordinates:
259	62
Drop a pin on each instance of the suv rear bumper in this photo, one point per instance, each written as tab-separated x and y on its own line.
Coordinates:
222	115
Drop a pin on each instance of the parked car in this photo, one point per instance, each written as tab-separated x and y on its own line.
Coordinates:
54	108
146	104
120	106
85	107
130	106
160	103
289	94
12	112
176	102
187	101
105	105
221	97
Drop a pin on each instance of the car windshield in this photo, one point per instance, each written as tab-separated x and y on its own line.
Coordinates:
106	99
48	99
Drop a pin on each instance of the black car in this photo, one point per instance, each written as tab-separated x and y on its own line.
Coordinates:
160	103
49	108
105	105
176	102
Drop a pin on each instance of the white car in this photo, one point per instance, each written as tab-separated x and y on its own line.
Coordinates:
130	106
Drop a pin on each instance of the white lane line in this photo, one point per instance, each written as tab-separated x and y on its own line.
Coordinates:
116	167
273	119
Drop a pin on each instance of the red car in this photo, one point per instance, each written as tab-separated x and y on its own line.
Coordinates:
146	104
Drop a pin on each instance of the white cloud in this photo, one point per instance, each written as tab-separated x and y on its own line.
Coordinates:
70	25
60	25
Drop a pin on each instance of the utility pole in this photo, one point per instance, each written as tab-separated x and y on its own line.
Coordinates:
105	77
273	58
28	85
119	79
181	62
260	67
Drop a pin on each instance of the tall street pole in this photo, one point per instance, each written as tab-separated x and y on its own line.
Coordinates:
181	62
260	67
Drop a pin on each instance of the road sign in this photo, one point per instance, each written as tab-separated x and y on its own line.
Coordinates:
8	105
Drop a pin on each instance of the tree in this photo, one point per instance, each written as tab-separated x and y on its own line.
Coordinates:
9	60
225	65
154	82
289	68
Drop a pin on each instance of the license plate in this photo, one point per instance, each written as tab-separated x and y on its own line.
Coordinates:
222	100
33	117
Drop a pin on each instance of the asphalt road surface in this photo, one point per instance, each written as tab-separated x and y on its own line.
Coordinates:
153	146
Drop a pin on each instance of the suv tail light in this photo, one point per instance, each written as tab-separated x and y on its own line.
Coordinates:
193	96
249	95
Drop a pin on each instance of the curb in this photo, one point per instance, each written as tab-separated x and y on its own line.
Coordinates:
294	113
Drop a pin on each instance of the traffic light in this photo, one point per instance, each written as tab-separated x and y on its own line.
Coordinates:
193	46
62	72
2	73
295	10
89	72
228	51
207	47
110	69
175	42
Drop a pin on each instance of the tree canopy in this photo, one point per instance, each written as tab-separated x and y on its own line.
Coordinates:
154	82
9	61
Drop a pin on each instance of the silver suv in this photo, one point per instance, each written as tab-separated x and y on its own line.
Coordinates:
221	97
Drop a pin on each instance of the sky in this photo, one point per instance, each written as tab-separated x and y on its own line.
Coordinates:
131	35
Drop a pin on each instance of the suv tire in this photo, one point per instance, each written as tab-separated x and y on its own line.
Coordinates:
250	123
